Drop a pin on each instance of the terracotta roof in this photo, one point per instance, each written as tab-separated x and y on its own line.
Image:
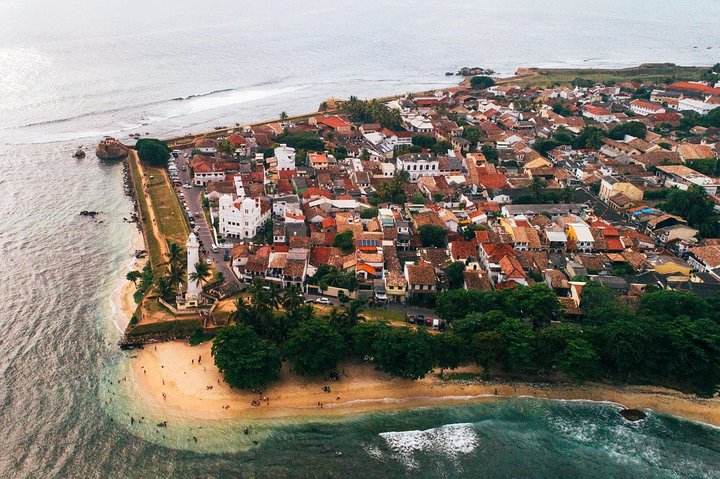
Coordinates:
709	255
421	274
511	267
476	280
462	250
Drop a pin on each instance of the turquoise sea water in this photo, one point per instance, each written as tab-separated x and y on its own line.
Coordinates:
73	70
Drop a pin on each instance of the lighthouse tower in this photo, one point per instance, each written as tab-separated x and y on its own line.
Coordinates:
193	257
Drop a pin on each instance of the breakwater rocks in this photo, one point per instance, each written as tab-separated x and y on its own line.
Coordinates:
111	149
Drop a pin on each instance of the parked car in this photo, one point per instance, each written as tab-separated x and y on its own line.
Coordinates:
322	301
187	185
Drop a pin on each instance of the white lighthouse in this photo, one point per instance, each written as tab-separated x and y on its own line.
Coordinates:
193	257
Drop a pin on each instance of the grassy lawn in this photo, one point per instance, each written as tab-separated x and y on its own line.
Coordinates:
388	315
151	243
170	215
180	327
649	73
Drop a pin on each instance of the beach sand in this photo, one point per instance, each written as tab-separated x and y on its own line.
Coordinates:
174	369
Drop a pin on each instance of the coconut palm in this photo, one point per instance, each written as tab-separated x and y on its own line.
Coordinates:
175	273
292	298
537	186
165	287
201	273
175	255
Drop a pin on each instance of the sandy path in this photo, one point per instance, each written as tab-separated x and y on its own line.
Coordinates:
151	210
173	369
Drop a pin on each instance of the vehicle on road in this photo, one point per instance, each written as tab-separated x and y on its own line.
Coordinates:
208	261
187	185
214	248
322	301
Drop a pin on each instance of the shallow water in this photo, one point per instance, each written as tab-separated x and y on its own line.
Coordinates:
73	70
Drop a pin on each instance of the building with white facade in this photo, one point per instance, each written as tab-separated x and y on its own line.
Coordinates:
645	108
697	106
418	164
241	217
285	158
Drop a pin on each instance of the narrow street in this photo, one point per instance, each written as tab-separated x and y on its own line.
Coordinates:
194	203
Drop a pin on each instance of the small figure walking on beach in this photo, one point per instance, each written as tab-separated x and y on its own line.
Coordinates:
164	396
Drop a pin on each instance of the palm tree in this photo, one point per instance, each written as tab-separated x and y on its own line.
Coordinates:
201	273
133	276
537	186
292	298
175	274
175	254
165	287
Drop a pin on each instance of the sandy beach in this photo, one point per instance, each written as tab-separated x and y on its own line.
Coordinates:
179	379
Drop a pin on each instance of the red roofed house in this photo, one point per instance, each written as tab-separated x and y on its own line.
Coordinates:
645	108
598	114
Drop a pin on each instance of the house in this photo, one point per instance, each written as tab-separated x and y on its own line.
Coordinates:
285	158
698	106
599	114
206	146
319	161
682	177
418	164
611	186
579	233
241	217
705	259
205	169
645	108
420	278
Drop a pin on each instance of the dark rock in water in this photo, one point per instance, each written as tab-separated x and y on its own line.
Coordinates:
633	414
111	149
91	214
79	154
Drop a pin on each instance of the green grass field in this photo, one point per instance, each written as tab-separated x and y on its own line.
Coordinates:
388	315
168	211
151	243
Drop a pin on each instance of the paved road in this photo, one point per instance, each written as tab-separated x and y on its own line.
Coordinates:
192	198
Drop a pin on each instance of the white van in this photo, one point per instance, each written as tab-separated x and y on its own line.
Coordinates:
214	248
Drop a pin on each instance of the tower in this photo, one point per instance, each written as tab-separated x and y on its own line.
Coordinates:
193	257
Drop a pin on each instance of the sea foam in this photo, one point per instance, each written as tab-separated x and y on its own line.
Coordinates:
450	440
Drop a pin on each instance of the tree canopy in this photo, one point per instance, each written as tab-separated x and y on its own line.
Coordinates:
481	82
245	360
632	128
373	111
433	236
314	347
153	152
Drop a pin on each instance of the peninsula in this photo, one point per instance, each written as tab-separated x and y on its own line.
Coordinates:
550	235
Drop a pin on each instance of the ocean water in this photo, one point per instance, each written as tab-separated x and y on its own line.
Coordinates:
73	70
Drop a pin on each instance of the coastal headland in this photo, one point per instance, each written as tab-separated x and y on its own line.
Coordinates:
174	377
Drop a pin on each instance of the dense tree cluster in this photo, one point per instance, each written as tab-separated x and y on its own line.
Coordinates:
668	337
327	275
695	206
632	128
153	152
305	141
481	82
373	111
433	236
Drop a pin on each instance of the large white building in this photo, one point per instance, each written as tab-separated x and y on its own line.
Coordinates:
697	106
241	217
285	158
418	164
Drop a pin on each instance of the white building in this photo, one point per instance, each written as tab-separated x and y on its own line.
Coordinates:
697	106
645	108
241	217
194	289
285	158
418	164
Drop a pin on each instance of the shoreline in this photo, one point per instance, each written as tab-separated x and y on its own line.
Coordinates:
172	369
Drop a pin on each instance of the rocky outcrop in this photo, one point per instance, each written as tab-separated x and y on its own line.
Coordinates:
633	414
111	149
79	154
